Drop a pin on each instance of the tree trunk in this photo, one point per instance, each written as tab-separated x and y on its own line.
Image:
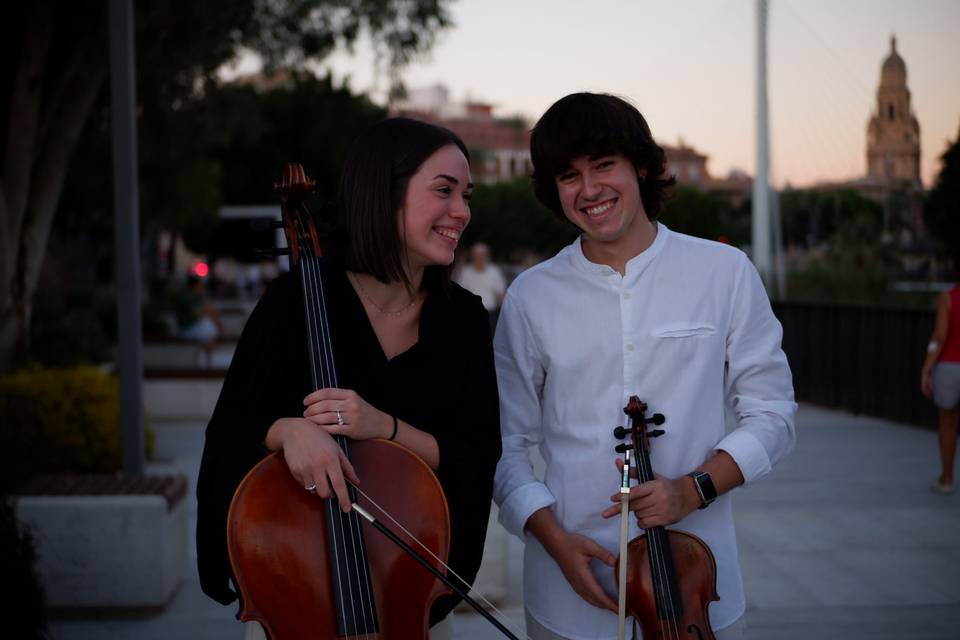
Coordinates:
38	153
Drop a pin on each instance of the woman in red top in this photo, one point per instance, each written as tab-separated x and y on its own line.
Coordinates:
940	380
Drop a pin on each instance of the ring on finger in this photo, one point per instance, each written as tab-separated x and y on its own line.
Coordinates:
339	417
312	487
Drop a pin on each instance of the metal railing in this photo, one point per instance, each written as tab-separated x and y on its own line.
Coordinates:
862	359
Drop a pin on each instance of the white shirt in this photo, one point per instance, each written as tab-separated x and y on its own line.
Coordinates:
488	284
688	328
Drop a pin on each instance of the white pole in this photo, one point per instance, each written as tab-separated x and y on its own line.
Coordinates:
761	189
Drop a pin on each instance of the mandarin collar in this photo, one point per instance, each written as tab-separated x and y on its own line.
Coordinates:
635	266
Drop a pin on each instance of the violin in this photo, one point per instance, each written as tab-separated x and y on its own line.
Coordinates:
667	578
303	567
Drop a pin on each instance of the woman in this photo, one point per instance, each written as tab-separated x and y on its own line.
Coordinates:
940	379
412	349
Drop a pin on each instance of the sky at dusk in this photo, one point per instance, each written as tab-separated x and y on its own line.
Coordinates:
689	67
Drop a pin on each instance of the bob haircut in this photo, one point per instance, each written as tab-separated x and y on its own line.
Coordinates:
373	187
596	125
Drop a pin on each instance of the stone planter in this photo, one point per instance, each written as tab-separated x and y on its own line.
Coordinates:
105	541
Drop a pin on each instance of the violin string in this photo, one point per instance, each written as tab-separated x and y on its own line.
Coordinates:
479	596
352	523
661	583
315	375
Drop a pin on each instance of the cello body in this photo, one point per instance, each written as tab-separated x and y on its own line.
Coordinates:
278	536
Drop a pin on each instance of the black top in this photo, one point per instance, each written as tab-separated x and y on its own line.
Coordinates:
445	385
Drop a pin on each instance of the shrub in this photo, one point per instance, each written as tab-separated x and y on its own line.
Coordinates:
60	421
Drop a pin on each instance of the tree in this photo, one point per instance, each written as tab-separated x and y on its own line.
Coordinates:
942	209
54	67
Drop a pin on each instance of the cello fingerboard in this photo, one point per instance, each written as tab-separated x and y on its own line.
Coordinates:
347	550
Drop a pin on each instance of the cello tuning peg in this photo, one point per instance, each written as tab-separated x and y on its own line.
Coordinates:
656	432
270	253
656	419
621	432
623	448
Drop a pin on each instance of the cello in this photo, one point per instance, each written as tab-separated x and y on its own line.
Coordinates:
304	568
667	578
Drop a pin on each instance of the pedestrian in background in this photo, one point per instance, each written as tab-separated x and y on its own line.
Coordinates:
940	379
480	276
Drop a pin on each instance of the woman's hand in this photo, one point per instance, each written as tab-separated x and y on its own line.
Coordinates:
314	458
343	412
926	383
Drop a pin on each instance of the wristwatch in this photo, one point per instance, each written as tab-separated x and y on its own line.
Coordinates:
704	484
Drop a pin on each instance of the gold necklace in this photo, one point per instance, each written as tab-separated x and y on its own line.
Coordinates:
376	306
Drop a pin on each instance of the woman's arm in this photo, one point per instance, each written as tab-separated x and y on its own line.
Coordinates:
939	337
344	412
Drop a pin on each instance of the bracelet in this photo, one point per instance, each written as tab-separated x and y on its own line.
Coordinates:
394	434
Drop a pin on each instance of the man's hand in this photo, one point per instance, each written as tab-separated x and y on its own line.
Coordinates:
573	553
660	502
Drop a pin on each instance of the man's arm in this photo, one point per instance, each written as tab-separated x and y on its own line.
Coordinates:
525	502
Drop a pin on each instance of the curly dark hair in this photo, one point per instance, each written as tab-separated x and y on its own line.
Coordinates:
595	125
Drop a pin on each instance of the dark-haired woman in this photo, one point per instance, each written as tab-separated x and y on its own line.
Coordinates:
412	349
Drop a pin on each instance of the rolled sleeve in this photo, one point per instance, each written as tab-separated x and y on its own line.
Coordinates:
517	490
759	385
522	503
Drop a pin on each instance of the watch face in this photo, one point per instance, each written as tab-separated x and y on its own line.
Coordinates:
707	489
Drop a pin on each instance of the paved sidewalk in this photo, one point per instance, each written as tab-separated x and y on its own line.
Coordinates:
844	540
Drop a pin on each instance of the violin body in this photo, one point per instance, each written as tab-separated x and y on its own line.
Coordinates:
278	537
696	572
671	576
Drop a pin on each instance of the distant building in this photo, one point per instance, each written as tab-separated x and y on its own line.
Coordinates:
499	148
893	134
690	168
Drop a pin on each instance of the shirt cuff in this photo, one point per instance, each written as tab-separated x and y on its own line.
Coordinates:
748	453
521	504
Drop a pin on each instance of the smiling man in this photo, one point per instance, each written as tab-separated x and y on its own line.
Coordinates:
630	308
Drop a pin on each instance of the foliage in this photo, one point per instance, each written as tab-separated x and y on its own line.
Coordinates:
507	217
843	257
942	210
54	67
24	599
60	421
700	214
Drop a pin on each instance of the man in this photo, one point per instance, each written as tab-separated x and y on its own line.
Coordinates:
482	277
630	308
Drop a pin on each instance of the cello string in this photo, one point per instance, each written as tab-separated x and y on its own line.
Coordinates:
311	330
356	534
443	564
324	352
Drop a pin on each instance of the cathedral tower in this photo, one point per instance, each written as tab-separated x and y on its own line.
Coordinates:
893	135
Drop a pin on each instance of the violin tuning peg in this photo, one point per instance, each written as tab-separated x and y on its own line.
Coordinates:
620	433
656	432
623	448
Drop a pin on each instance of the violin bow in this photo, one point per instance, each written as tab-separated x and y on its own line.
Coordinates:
624	524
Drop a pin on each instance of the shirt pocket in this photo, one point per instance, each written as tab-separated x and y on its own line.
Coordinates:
686	330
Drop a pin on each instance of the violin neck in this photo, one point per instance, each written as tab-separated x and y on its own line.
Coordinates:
660	554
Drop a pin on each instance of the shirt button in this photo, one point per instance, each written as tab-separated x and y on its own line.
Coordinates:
626	296
629	346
